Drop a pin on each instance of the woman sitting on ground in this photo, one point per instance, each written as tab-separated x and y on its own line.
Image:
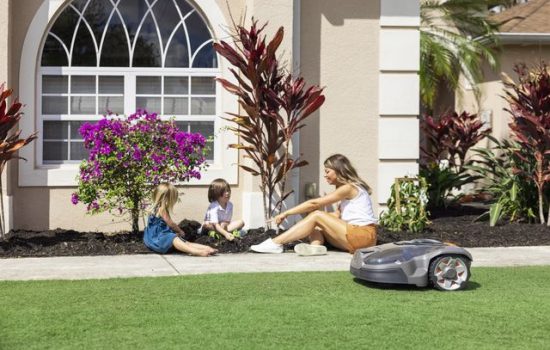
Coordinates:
351	227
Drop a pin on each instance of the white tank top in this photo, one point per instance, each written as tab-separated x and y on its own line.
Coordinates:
358	211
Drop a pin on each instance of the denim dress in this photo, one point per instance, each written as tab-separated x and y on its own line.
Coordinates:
157	235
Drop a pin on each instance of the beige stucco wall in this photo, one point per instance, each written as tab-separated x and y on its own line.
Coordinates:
50	207
339	50
339	47
493	89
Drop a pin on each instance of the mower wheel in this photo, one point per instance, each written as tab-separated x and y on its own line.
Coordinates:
449	272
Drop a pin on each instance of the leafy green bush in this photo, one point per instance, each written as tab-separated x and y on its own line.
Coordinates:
514	193
442	180
407	206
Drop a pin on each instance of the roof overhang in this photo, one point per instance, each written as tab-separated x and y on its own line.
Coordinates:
524	38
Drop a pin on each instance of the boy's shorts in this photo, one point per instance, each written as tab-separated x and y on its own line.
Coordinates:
360	236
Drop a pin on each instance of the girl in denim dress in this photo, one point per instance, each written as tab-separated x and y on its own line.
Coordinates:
161	233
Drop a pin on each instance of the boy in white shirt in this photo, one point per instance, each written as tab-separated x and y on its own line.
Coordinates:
220	211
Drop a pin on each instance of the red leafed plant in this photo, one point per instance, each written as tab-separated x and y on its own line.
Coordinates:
274	106
451	136
10	142
529	101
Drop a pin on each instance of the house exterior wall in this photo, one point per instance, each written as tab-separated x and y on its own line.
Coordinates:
362	52
492	103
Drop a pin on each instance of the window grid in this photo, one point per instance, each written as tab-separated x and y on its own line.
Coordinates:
76	103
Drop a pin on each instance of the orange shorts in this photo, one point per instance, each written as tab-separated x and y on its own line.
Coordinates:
360	236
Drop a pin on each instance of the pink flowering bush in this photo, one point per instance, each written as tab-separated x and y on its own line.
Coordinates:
129	157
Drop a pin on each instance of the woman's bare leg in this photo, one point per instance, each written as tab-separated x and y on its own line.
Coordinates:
333	229
317	237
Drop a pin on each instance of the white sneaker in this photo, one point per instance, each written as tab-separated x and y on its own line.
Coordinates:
267	246
305	249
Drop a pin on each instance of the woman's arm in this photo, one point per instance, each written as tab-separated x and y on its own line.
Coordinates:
341	193
172	224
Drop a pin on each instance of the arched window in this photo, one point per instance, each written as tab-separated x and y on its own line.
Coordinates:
102	56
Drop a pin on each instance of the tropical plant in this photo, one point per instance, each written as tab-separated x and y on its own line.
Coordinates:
129	156
274	107
456	39
529	102
407	206
442	180
10	141
515	194
448	139
451	136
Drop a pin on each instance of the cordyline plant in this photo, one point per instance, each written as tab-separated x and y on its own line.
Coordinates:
275	105
449	138
129	157
10	142
529	101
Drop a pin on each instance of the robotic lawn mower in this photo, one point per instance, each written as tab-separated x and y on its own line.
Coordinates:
419	261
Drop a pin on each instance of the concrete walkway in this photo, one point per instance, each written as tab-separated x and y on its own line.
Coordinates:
87	267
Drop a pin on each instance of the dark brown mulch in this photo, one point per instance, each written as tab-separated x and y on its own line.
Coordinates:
455	225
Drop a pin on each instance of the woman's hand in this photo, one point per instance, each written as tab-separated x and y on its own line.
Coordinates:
279	218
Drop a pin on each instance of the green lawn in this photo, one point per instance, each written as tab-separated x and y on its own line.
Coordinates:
506	308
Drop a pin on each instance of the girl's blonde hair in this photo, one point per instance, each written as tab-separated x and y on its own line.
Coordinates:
217	189
345	172
165	197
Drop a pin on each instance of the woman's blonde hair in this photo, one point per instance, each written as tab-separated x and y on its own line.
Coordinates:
217	188
165	197
345	172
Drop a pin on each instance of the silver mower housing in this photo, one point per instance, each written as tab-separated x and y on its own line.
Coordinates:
418	262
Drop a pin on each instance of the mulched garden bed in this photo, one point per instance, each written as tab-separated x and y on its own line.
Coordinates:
455	225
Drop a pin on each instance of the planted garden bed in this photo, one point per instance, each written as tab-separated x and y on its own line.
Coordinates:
456	225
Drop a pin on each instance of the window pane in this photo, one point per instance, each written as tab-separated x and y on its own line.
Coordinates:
65	25
56	130
198	32
177	54
150	104
55	84
78	152
116	49
203	105
55	151
84	52
206	129
147	45
183	125
75	126
206	57
54	105
176	106
113	104
176	85
83	104
148	85
53	54
111	85
83	84
170	18
203	86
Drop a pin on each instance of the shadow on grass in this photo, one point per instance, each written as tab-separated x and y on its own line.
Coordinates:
407	287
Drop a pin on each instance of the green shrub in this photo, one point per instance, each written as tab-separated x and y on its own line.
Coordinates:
514	193
407	206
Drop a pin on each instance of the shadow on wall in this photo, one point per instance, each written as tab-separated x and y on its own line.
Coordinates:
312	14
31	205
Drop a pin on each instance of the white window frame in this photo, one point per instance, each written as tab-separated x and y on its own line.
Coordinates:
33	173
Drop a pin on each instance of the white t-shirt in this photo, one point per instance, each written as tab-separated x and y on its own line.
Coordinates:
216	213
358	211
